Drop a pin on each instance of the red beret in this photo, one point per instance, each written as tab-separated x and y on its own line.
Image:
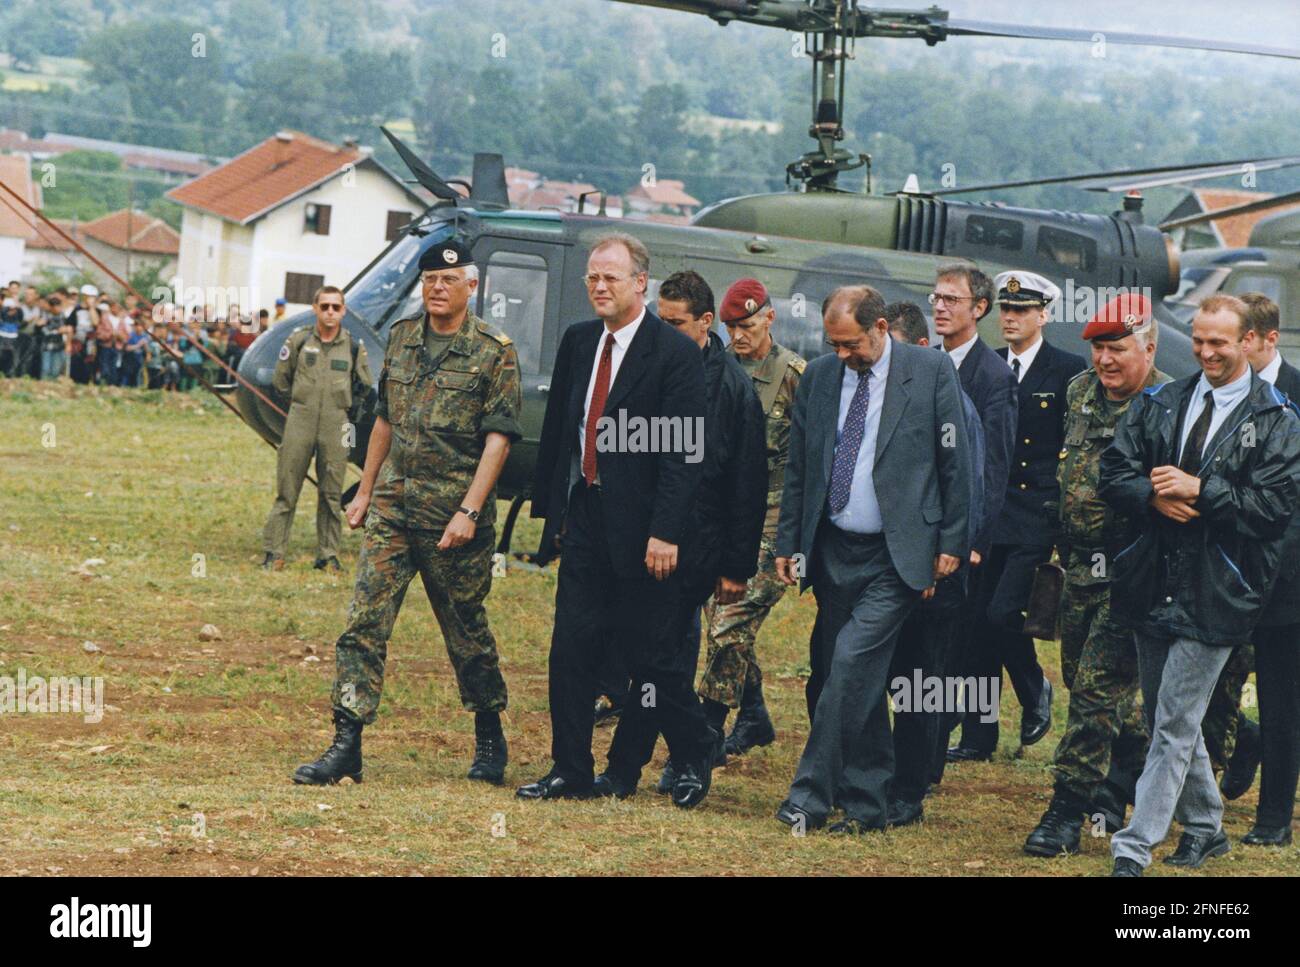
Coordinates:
1124	315
743	299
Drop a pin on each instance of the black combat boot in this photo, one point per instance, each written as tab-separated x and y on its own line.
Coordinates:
489	749
341	760
753	724
1058	831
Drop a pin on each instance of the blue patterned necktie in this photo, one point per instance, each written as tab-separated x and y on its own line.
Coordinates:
846	453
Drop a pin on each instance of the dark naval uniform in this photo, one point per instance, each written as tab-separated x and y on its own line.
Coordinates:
441	409
1022	533
317	376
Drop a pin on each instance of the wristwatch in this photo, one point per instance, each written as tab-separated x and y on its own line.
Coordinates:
471	514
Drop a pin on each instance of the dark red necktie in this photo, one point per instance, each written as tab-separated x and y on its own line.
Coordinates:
599	393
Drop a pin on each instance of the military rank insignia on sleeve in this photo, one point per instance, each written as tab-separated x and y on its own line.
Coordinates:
284	352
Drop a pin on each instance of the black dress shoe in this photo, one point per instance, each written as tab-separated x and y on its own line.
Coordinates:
693	782
1268	836
1126	867
1244	764
1193	851
553	786
903	813
794	817
667	779
964	753
607	784
852	827
1057	833
1036	723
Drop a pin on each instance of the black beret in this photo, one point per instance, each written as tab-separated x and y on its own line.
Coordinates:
446	255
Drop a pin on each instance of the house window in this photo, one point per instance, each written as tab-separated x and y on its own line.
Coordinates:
300	288
316	219
396	222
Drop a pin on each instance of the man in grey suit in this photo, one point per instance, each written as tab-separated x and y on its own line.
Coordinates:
875	512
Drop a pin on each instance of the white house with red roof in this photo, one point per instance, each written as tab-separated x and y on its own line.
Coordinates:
125	241
17	224
287	216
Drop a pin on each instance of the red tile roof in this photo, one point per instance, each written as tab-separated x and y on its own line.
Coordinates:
147	234
50	240
1235	230
265	176
664	191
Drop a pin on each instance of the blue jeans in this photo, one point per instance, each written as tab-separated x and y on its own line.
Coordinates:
54	362
108	365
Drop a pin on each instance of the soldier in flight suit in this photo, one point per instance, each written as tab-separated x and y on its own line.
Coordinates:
448	411
315	369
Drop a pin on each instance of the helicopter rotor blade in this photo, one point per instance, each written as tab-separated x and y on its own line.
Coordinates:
424	175
1262	204
1129	179
982	28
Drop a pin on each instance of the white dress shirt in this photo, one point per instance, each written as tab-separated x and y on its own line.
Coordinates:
1269	373
958	354
1226	398
622	339
861	515
1026	358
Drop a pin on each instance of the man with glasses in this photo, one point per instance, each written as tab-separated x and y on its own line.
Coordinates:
315	370
447	414
618	513
962	296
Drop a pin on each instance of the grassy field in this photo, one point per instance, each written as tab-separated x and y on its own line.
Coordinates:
188	772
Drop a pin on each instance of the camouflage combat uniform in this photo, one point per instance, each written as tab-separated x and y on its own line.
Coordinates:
441	409
317	376
731	665
1098	658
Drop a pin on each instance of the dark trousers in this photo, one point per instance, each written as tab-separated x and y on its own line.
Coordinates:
924	651
862	603
997	639
596	609
1277	676
635	735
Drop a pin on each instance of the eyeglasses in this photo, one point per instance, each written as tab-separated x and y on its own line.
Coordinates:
446	281
852	345
610	280
934	298
331	307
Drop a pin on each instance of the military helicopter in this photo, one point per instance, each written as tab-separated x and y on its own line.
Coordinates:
801	243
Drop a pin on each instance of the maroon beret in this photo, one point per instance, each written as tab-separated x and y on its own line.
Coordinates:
743	299
1127	313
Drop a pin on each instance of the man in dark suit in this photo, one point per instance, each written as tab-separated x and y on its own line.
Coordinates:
962	296
1024	533
925	644
618	467
877	499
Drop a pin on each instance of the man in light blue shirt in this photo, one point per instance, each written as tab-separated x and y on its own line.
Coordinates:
861	515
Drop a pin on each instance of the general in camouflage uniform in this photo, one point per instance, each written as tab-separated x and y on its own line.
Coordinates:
317	375
732	675
447	402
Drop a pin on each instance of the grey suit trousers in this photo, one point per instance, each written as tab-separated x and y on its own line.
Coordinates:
862	604
1178	677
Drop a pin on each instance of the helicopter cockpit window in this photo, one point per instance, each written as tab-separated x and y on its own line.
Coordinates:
514	300
388	291
1270	285
995	232
1067	249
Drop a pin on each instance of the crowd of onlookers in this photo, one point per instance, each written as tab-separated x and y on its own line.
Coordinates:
91	337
